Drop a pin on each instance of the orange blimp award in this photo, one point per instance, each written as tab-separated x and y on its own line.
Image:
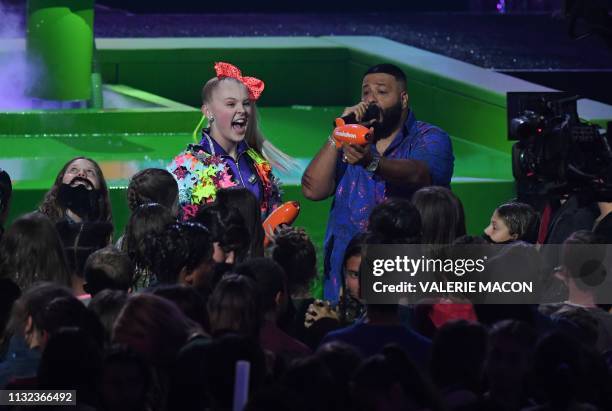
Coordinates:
350	133
284	214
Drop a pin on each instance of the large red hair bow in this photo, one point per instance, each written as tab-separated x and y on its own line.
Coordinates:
254	85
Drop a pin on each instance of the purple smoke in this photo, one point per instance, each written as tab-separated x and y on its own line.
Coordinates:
15	73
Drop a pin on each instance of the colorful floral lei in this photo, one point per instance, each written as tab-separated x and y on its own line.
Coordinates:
199	175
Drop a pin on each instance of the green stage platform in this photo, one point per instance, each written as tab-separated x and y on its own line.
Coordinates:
308	82
34	160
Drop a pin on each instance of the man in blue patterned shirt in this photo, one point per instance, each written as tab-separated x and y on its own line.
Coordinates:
404	156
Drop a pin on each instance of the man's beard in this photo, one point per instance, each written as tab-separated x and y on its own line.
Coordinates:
81	199
391	118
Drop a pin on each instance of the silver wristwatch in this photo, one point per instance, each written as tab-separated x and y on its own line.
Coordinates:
373	166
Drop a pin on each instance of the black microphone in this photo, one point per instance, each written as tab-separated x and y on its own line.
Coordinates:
372	113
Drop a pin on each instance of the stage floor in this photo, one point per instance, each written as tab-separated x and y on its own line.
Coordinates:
33	161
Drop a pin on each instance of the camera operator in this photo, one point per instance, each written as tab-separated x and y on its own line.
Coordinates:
560	219
563	163
563	216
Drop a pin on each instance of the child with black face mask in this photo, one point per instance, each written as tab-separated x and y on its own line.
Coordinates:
512	221
79	194
80	200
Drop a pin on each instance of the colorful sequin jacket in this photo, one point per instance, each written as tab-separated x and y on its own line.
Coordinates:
199	174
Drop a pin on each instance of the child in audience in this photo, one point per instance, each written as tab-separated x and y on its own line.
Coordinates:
246	203
228	230
189	300
108	268
153	185
442	218
182	253
295	253
512	221
80	193
395	221
321	316
146	223
510	350
31	251
271	285
27	327
234	307
154	327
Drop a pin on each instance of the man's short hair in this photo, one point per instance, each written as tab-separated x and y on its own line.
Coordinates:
296	254
391	69
108	268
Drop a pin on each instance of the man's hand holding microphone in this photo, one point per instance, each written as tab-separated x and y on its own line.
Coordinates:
353	133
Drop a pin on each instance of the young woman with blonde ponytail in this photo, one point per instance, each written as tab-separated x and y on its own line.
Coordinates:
232	152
